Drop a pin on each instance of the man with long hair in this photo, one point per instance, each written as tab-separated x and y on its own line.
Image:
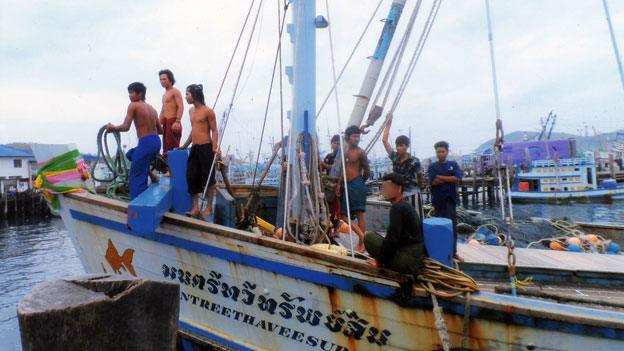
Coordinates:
205	138
171	112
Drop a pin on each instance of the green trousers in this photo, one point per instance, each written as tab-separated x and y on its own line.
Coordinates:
407	259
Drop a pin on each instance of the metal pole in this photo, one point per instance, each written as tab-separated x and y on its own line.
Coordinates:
616	51
376	63
303	37
496	104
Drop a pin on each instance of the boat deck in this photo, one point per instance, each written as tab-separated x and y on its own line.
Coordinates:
543	259
544	267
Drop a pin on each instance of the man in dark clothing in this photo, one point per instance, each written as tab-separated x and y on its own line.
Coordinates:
444	176
328	161
402	249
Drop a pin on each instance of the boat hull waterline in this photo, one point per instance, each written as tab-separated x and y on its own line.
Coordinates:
258	297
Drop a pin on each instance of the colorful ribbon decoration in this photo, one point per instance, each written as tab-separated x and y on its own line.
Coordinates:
66	167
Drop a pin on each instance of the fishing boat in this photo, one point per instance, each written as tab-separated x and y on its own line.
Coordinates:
243	290
566	179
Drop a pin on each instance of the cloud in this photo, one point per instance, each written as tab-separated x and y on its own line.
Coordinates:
66	66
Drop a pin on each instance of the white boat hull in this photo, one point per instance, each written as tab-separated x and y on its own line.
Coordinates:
257	297
594	194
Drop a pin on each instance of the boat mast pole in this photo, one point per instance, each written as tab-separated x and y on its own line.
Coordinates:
616	51
372	74
303	79
376	63
499	142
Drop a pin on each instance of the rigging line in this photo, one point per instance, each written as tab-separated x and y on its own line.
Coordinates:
226	116
492	59
616	51
410	69
283	141
384	81
281	82
333	61
254	56
344	67
419	48
401	49
227	70
498	145
266	109
341	139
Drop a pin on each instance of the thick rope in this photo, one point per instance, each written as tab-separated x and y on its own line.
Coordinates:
118	187
440	324
444	281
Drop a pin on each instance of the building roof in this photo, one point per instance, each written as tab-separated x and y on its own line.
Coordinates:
7	151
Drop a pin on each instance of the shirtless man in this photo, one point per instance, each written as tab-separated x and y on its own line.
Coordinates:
357	170
205	138
171	112
145	120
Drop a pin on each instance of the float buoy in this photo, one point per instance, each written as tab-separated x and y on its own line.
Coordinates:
574	240
575	247
555	245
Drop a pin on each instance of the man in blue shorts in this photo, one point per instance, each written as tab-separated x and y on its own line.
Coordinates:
357	170
145	119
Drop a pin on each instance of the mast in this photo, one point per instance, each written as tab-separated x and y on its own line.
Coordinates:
300	197
376	63
616	51
498	147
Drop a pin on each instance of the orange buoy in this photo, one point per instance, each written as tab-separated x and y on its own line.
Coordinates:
573	240
474	242
278	234
591	238
344	227
555	245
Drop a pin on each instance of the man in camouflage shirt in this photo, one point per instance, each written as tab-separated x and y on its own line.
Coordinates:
403	163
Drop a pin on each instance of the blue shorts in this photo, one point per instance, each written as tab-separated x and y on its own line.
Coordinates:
141	157
357	197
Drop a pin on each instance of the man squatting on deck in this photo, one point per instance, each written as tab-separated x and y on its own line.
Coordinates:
402	249
145	119
171	112
205	138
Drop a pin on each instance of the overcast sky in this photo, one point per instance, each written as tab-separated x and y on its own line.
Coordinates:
66	65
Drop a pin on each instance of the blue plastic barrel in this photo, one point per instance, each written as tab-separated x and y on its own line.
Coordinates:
181	201
438	234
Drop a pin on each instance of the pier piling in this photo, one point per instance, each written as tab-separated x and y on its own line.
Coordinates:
99	312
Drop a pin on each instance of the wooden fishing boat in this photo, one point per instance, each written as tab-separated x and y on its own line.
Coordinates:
242	290
251	292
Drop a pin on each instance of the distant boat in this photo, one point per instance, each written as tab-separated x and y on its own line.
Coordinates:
564	180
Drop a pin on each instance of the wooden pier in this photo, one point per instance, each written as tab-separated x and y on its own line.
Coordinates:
23	205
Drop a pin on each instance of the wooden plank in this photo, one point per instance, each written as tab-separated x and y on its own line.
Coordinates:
547	259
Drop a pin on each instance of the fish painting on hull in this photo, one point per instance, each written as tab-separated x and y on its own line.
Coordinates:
117	262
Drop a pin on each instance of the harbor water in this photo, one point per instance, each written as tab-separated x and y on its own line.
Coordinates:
32	253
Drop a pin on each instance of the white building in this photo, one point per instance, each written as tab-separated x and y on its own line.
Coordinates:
17	168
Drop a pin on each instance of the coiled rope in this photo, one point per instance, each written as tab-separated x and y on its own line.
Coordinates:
443	281
117	187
